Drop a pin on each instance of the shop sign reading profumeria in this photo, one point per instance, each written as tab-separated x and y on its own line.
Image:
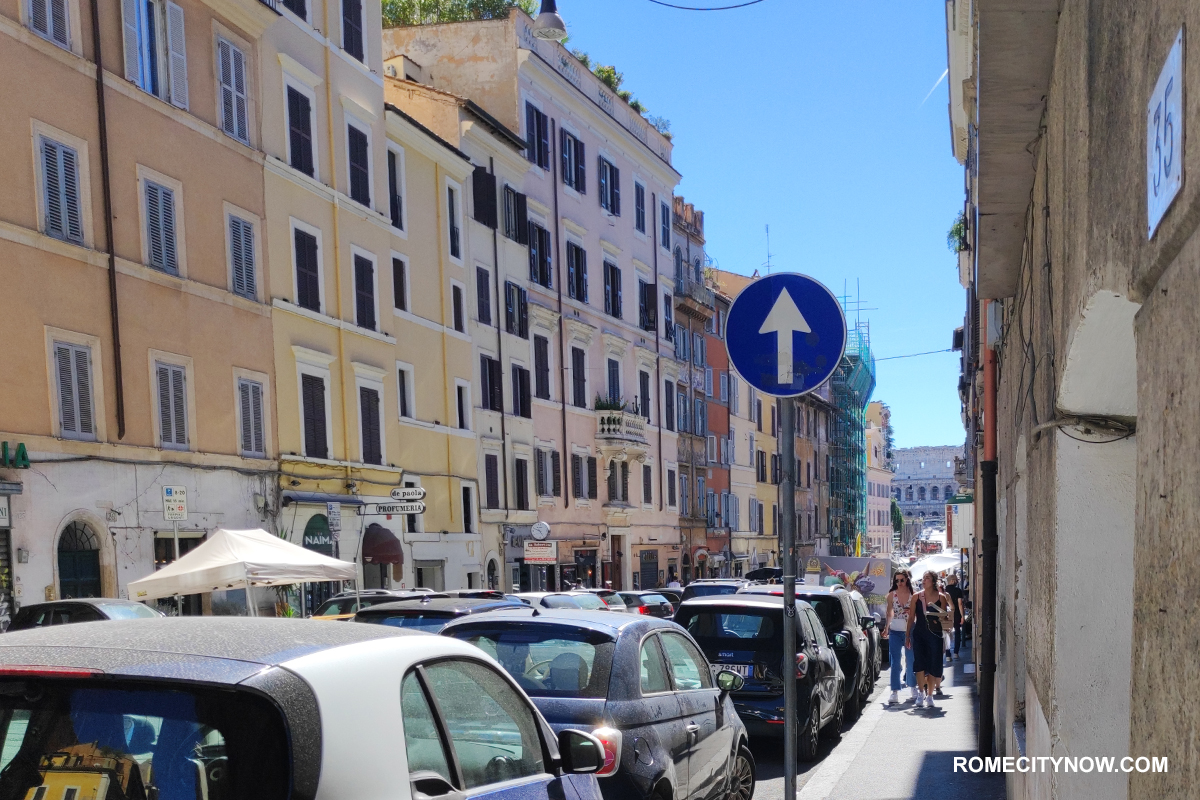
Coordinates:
14	455
541	552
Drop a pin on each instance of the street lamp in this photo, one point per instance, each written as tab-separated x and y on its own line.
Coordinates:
549	25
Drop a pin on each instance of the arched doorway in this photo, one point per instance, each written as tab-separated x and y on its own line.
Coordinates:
78	562
493	575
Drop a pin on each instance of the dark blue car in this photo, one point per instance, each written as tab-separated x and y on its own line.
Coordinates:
639	684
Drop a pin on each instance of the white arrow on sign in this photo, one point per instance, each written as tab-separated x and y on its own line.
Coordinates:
784	320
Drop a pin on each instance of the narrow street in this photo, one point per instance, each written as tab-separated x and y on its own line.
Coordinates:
892	751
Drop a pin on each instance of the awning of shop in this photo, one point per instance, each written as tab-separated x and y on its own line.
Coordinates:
701	552
717	558
380	546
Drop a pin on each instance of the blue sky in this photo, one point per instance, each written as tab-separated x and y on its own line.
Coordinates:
808	116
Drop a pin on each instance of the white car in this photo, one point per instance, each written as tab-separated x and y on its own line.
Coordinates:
270	709
569	599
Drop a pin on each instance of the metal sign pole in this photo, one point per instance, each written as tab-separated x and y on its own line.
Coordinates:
178	598
787	547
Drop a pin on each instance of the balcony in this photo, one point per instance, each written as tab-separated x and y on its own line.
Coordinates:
621	435
252	16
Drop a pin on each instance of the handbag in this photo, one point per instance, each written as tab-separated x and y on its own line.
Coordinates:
933	622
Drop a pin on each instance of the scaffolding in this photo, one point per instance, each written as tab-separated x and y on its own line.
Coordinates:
852	386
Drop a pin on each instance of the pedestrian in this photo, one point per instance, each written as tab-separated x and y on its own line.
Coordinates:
956	595
897	602
927	618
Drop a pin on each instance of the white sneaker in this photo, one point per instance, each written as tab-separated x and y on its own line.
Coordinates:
915	694
929	701
895	698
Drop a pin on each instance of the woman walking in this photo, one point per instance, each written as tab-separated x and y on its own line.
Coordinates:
898	601
927	618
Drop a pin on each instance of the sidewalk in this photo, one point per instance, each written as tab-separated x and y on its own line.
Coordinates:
903	752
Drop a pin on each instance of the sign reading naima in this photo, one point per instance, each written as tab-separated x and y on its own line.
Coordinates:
541	552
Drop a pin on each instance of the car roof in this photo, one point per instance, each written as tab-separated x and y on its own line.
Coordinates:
86	601
602	621
640	592
467	605
718	581
743	600
804	588
212	649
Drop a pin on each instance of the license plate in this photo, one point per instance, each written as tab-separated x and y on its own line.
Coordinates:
745	670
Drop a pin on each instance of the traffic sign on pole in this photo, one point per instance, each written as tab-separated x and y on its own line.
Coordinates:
175	503
786	334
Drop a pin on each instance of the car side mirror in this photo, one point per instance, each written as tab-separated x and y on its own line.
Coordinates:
841	641
729	681
580	753
867	622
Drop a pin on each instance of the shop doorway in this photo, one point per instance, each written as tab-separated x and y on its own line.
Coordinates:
319	539
164	554
649	569
585	569
430	575
618	563
78	562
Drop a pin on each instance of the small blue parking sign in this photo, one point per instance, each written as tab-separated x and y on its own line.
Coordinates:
786	334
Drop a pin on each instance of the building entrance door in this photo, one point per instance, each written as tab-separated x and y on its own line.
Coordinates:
78	562
649	569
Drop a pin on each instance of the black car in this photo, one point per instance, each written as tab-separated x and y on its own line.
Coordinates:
870	627
765	574
837	613
709	587
744	633
668	726
344	605
674	596
649	603
430	613
83	609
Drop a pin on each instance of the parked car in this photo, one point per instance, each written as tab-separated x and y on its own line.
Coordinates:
668	726
768	574
707	587
870	626
486	594
571	599
835	608
273	709
344	605
743	633
672	595
611	598
429	613
650	603
83	609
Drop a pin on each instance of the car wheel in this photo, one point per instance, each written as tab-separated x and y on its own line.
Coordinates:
865	696
810	733
833	728
850	706
741	778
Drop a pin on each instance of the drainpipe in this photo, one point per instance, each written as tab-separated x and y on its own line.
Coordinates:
991	544
114	317
500	352
657	355
562	328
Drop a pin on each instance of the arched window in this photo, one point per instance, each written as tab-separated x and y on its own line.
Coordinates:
899	497
493	575
678	266
698	271
908	494
933	493
921	494
78	562
949	492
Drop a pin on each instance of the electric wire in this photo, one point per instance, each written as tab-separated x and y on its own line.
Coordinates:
717	8
914	355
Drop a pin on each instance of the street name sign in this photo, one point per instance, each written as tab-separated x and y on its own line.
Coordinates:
393	509
408	493
174	503
786	334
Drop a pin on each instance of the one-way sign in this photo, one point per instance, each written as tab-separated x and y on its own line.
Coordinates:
390	509
408	493
786	334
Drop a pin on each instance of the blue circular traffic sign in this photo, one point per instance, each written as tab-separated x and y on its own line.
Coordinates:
786	334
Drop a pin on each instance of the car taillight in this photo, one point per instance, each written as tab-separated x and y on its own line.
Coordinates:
32	671
643	610
611	739
801	665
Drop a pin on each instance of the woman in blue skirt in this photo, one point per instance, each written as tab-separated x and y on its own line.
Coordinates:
926	620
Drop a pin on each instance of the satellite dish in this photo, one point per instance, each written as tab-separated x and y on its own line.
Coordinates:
540	531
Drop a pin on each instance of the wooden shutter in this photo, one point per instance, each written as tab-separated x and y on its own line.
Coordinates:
395	195
580	167
625	481
483	295
241	256
644	385
577	485
231	70
593	491
614	179
399	289
129	28
522	314
313	406
364	292
491	471
352	25
177	56
521	211
669	404
526	397
300	131
572	268
402	396
160	226
522	484
483	186
360	179
543	141
555	474
73	367
250	406
368	402
531	132
671	488
308	279
49	18
60	169
581	274
647	484
497	378
567	150
172	406
539	470
602	180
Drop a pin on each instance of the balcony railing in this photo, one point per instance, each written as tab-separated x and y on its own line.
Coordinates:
622	425
691	288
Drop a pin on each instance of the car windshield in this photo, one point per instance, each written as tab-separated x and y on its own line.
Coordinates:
589	601
430	622
547	660
708	589
732	624
829	609
613	600
347	605
123	611
129	741
651	599
560	601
